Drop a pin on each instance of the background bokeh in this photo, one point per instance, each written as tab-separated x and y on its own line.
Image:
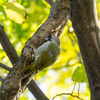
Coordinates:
57	78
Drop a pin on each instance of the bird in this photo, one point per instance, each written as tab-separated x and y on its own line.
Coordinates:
46	54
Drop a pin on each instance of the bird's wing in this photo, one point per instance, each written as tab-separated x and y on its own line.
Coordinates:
34	65
44	60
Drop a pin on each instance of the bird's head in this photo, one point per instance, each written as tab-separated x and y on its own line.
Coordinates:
53	39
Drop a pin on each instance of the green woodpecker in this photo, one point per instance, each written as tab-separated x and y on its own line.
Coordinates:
46	54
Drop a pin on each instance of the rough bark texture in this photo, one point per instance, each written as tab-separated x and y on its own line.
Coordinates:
19	78
13	56
84	20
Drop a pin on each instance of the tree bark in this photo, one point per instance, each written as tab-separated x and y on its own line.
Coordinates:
84	20
13	56
19	77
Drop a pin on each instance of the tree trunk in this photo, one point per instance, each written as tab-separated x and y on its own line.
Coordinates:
84	20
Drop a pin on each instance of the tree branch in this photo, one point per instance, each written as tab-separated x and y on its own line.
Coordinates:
33	87
7	46
13	56
71	94
84	20
37	91
19	77
5	67
1	79
50	2
67	94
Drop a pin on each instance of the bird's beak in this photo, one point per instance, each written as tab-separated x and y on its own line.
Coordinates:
46	39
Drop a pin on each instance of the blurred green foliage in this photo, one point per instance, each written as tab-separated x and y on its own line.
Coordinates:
15	11
57	78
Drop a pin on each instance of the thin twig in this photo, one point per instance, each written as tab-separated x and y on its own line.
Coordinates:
73	88
50	2
67	94
78	89
5	67
71	94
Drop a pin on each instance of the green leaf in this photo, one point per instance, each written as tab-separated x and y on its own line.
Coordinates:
79	75
15	11
3	11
